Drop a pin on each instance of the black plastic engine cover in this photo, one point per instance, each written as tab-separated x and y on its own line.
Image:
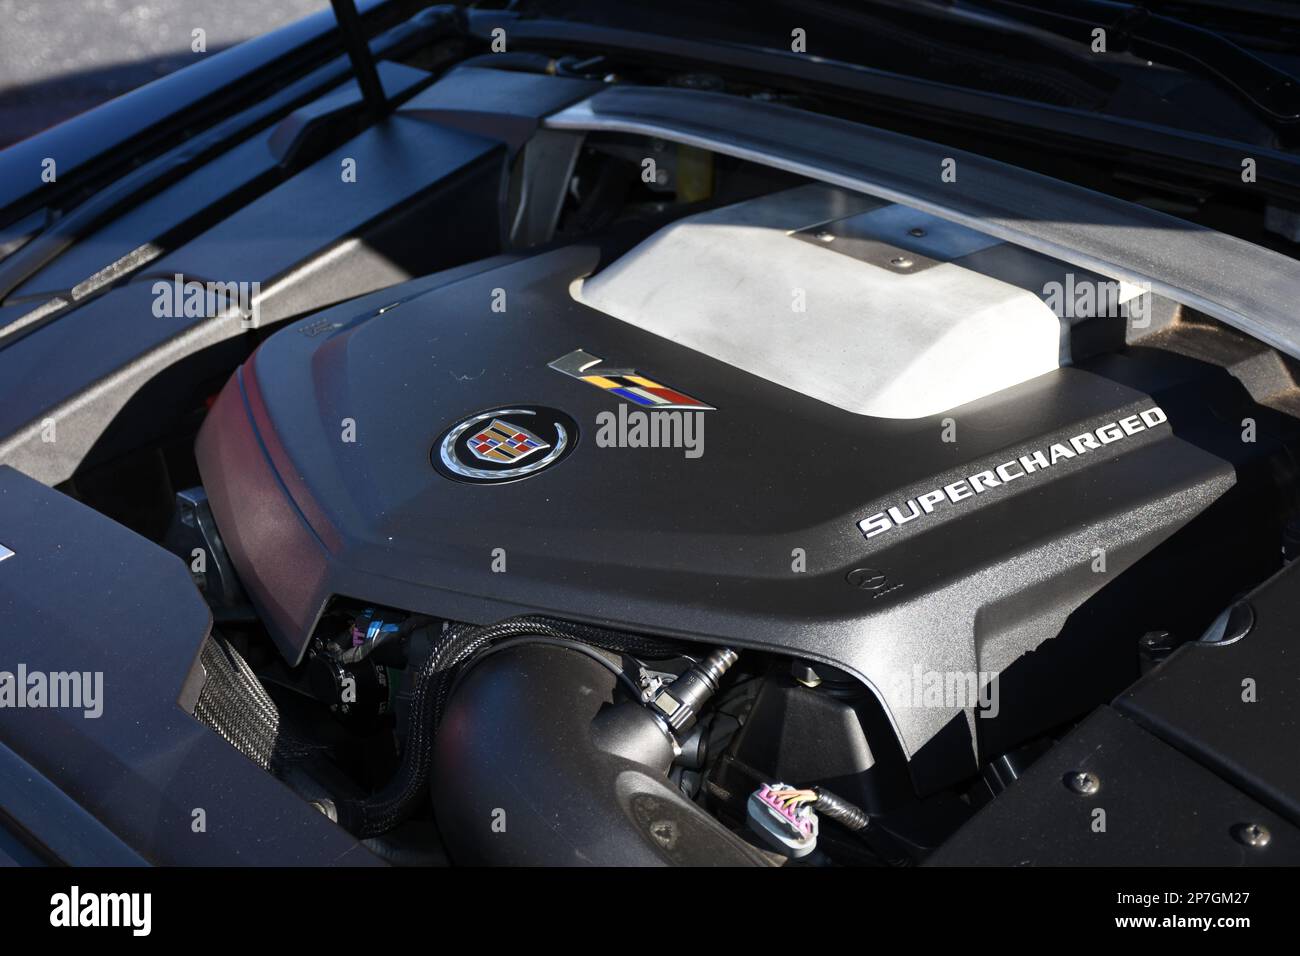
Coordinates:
707	548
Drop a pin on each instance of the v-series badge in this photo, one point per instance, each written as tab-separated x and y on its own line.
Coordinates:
1022	467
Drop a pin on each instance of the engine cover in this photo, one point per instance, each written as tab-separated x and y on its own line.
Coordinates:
322	460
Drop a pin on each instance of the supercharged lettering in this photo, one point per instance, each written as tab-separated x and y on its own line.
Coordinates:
1022	467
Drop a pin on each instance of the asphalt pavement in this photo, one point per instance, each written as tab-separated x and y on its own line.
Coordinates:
59	58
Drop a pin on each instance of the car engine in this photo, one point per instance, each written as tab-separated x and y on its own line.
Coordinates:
614	464
670	543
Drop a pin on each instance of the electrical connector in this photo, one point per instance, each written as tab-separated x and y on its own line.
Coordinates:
784	817
369	626
679	703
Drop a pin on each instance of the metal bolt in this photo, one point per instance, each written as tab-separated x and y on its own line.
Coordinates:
902	262
825	236
1254	834
868	579
1083	783
916	231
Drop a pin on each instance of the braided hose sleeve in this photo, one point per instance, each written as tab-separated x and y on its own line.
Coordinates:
840	810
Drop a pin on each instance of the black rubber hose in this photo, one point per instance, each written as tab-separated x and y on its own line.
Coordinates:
459	644
840	810
585	649
451	653
544	741
885	844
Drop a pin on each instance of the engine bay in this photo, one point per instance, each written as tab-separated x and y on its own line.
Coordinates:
902	599
609	499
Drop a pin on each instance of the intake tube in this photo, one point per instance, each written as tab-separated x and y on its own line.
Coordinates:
544	758
377	813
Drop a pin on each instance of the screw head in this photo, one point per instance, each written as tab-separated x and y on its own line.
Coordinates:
1083	783
916	231
901	262
1254	834
825	236
868	579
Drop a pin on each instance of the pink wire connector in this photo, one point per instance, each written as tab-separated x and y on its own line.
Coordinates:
803	823
791	830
